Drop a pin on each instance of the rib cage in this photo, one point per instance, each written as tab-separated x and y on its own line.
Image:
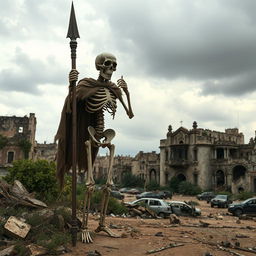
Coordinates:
102	100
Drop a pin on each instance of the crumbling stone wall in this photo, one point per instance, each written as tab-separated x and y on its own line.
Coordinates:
16	129
201	154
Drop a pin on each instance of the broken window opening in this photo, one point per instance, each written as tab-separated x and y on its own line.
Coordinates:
220	153
238	172
220	178
10	157
181	177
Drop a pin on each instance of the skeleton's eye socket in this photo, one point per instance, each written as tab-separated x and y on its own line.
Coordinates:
114	64
107	63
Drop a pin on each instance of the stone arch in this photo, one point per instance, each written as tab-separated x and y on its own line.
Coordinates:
238	172
181	177
152	175
220	178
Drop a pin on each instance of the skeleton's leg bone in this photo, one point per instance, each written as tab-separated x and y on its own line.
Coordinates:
106	194
111	161
89	179
86	237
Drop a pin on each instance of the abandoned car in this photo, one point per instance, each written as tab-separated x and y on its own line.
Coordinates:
221	201
183	209
246	207
207	196
160	207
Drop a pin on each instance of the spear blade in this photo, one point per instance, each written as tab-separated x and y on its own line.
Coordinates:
73	33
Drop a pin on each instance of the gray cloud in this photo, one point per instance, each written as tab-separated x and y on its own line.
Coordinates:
195	40
28	74
236	86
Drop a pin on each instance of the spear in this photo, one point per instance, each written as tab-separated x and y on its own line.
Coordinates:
73	34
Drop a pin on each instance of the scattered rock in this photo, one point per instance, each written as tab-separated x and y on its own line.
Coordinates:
16	227
203	224
94	253
159	234
241	236
174	219
238	222
36	250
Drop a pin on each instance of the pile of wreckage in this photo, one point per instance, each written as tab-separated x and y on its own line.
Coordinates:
14	229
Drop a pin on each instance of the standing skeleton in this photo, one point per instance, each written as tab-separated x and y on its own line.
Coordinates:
104	99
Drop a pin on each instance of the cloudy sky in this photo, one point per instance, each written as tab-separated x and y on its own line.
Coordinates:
183	61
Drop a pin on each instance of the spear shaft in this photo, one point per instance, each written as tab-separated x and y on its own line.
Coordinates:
73	35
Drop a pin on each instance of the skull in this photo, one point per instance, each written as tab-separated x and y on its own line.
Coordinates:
106	63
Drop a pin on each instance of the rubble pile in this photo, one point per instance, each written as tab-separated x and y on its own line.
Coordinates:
28	226
141	211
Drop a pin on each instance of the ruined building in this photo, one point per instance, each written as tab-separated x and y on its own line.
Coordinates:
17	138
210	159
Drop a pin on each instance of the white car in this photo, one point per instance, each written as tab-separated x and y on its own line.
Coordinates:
159	206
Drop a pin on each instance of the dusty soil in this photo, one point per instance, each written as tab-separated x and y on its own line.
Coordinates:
139	235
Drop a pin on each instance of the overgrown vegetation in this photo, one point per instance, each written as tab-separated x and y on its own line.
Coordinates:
3	141
186	188
183	187
37	176
243	195
130	180
153	185
25	145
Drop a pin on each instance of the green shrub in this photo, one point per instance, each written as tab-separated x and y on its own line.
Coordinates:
186	188
37	176
130	180
114	206
243	195
174	184
153	185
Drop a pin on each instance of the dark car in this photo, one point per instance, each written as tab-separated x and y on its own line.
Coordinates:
221	201
166	194
117	195
246	207
207	196
150	195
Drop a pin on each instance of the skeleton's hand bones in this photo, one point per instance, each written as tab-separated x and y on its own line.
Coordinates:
122	84
73	75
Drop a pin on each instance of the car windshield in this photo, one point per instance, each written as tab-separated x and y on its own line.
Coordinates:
247	200
221	196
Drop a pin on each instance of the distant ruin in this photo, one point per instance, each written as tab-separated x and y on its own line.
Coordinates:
211	159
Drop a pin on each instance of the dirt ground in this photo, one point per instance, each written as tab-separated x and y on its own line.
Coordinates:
142	235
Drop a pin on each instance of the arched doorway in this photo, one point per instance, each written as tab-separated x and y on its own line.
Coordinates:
152	175
238	172
220	178
181	177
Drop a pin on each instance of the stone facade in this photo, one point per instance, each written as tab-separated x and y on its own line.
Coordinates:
147	166
122	165
211	159
16	130
46	151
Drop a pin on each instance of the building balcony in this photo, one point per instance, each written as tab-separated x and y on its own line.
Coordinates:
179	163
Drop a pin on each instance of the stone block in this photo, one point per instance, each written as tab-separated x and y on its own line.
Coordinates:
17	227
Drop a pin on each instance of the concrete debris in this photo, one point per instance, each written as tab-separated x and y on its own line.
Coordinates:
174	219
140	211
18	195
16	227
7	251
36	250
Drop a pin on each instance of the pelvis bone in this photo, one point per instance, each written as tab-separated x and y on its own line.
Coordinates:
107	136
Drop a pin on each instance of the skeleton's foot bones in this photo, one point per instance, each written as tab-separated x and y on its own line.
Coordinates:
86	236
106	230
